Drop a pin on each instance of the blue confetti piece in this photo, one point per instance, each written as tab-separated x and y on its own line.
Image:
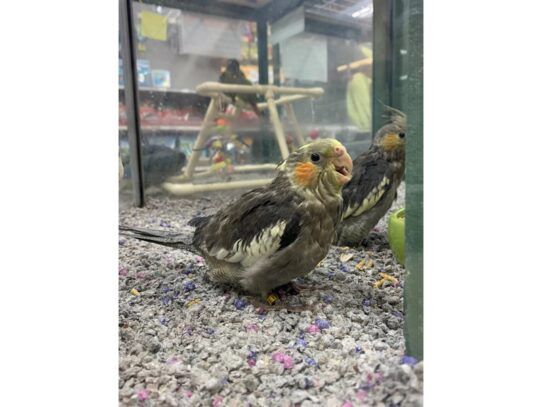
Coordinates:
408	360
166	289
301	342
322	323
239	304
344	268
358	349
188	269
366	302
330	275
166	300
189	286
210	331
252	354
261	317
328	299
311	361
162	320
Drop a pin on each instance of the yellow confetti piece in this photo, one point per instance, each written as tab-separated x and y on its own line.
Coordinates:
272	298
389	278
360	265
370	264
379	283
345	257
133	291
193	302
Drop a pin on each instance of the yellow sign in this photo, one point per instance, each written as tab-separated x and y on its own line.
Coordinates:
153	26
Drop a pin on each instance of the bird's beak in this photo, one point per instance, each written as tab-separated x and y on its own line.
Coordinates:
343	165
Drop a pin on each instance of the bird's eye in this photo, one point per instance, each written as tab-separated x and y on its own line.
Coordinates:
402	135
315	157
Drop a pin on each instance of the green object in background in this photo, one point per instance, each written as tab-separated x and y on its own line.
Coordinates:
396	234
358	101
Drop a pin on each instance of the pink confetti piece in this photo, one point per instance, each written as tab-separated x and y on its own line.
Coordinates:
288	362
348	403
278	357
251	328
188	394
142	395
123	272
140	275
361	395
217	401
313	329
251	362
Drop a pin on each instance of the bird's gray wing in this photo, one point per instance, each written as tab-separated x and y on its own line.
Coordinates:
371	179
258	225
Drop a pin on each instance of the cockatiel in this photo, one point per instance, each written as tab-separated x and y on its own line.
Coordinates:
234	76
376	176
274	233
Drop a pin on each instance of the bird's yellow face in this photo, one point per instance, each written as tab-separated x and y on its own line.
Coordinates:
323	161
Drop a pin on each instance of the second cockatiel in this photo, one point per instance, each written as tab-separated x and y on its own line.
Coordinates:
233	75
275	233
376	176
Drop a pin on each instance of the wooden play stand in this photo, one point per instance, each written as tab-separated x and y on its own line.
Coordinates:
183	184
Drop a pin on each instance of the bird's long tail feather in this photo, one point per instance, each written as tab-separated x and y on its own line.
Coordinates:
176	240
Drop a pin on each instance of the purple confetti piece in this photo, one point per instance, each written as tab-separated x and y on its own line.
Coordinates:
141	275
188	269
123	272
121	242
322	323
344	268
328	299
239	303
252	354
166	300
311	361
398	314
189	286
301	342
408	360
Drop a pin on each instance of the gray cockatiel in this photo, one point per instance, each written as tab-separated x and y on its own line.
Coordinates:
376	176
275	233
233	75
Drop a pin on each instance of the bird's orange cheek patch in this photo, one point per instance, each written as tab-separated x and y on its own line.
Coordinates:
305	173
391	141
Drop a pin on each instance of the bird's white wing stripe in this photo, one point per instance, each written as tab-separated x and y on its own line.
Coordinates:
371	200
264	244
